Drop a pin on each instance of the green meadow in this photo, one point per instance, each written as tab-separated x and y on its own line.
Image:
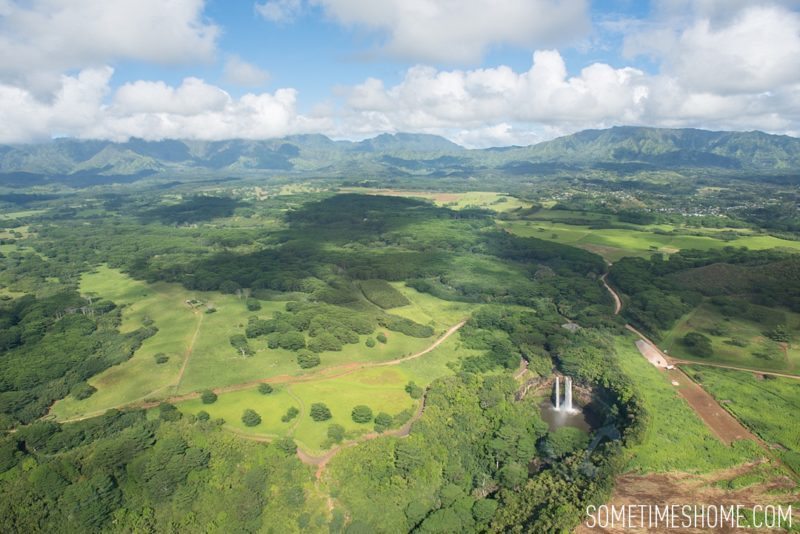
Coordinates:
614	243
381	388
200	355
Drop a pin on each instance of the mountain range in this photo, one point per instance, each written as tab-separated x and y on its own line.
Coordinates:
84	162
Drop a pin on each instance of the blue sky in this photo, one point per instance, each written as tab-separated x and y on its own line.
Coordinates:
481	72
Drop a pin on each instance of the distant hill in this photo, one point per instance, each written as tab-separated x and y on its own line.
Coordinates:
620	149
686	147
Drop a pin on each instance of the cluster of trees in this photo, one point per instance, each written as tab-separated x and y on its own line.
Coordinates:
660	290
328	328
50	346
124	470
449	465
506	335
382	294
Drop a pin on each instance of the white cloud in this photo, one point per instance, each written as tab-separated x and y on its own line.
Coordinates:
477	108
41	39
150	110
490	100
75	106
244	74
748	50
279	10
457	31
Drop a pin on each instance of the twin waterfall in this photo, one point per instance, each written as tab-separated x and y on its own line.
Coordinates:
567	395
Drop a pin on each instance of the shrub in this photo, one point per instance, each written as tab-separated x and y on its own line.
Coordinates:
291	340
290	414
381	337
382	294
324	342
698	344
203	415
405	326
370	342
251	418
320	412
414	391
239	342
253	305
362	414
307	359
82	391
161	358
336	433
286	445
382	421
265	389
208	397
168	412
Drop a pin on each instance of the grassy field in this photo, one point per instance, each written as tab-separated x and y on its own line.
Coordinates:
757	352
473	199
768	406
140	377
202	339
614	244
677	439
429	310
380	388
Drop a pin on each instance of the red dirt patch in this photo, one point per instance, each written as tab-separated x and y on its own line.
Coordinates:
684	488
726	427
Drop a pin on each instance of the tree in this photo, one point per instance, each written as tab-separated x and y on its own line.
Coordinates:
779	334
264	388
82	390
290	414
292	341
168	412
362	414
698	344
382	422
287	445
336	433
483	510
208	397
320	412
325	342
239	342
370	342
307	359
229	286
414	391
513	475
381	337
203	415
562	441
251	418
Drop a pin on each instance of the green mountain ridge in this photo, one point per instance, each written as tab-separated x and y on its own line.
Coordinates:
621	147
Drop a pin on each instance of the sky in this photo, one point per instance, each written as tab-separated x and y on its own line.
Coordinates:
479	72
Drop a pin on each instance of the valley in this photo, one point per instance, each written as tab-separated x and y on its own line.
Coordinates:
375	355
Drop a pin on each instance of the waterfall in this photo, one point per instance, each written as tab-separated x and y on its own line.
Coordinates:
567	394
558	394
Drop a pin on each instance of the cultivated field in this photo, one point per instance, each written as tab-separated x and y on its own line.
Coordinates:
613	243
